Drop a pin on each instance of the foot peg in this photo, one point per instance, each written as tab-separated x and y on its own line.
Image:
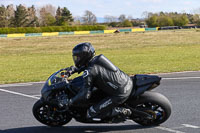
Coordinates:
124	111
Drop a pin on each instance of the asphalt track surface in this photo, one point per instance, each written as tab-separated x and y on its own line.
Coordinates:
182	89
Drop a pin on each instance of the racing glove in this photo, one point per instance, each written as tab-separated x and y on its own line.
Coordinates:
71	70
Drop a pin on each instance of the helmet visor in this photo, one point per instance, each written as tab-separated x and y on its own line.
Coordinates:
76	60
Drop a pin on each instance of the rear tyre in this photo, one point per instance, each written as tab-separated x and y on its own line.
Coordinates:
48	115
156	105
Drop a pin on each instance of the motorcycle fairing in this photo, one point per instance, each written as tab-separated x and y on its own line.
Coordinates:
143	83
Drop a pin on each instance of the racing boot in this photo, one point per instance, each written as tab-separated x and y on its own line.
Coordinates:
124	112
120	114
92	115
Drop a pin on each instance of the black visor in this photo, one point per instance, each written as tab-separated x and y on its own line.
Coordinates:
76	60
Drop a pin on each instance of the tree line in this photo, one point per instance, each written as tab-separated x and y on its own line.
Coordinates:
121	21
155	19
171	19
22	16
48	15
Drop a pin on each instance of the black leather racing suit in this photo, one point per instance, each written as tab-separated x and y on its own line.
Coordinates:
102	74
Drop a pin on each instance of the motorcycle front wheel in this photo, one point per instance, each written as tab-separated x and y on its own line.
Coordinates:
48	115
156	105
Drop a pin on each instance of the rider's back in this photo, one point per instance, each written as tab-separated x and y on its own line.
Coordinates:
108	77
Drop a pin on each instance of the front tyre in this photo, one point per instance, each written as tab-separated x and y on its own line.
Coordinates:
156	105
48	115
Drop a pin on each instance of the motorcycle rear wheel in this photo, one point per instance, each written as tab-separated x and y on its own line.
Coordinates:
154	104
47	114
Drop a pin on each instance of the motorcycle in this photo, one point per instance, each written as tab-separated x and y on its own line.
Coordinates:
149	108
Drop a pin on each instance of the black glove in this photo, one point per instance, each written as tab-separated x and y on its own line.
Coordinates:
71	70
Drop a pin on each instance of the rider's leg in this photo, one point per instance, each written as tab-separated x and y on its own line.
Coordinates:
107	108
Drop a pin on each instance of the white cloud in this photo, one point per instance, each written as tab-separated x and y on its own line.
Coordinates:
6	2
187	2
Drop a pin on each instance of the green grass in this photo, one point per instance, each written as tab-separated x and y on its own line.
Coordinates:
35	58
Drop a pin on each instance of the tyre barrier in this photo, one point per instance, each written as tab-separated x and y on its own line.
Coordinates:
76	32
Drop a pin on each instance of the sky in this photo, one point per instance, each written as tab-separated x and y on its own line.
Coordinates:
100	8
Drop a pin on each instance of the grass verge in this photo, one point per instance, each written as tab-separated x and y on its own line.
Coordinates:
35	58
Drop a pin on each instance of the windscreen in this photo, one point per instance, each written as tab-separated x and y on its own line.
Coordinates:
57	77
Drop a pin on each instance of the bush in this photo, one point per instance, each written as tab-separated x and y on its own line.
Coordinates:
113	24
126	23
167	19
51	29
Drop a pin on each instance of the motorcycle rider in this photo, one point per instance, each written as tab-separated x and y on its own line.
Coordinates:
99	72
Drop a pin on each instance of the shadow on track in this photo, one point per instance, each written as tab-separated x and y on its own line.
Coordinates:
75	129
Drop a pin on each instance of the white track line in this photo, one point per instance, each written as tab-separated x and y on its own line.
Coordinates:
181	78
15	85
169	130
20	84
20	94
36	95
184	72
191	126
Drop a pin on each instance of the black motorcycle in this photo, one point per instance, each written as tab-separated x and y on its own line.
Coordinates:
148	108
